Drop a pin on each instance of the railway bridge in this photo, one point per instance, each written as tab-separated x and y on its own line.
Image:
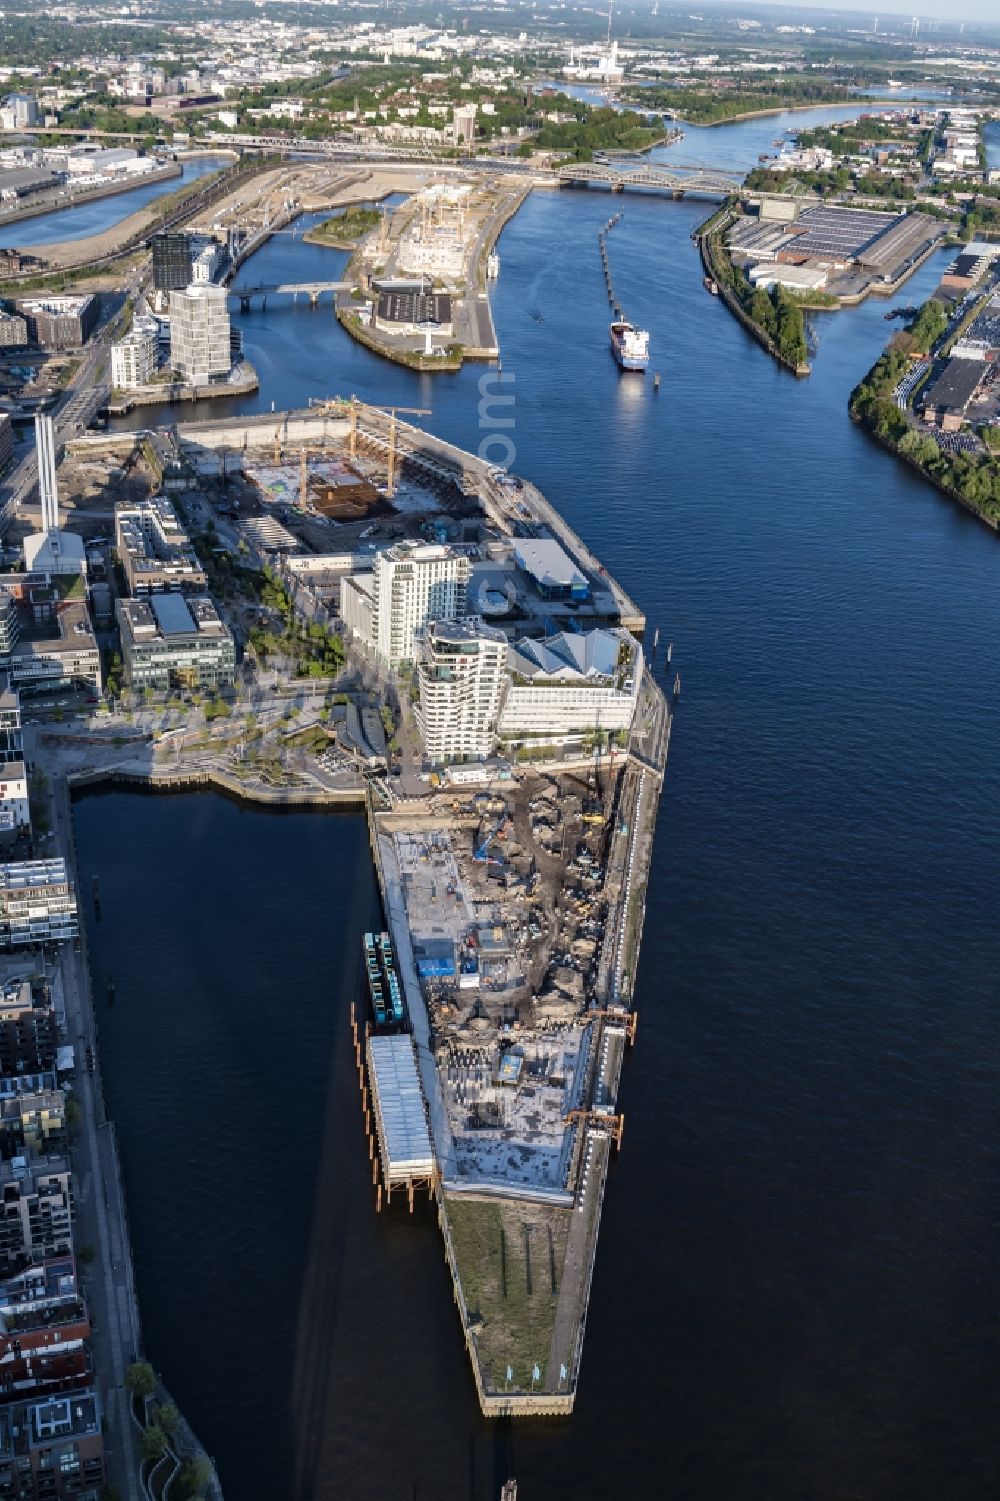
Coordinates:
618	177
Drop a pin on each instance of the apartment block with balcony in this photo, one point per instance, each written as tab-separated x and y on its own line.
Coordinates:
155	550
37	904
412	584
36	1211
462	674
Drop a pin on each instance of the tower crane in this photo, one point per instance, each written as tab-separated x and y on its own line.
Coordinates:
352	406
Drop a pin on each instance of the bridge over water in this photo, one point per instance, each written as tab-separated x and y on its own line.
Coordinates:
618	177
311	289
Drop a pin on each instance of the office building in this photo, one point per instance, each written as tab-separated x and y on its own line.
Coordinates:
570	686
199	334
155	550
171	640
44	1330
11	742
37	904
412	584
6	440
36	1195
53	1449
133	361
461	673
28	1032
58	322
171	261
57	648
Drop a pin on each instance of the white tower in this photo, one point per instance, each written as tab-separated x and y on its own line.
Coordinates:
48	494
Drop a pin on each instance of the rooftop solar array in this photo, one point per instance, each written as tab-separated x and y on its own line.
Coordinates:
840	234
172	614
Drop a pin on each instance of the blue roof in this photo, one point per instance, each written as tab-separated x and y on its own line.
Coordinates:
172	614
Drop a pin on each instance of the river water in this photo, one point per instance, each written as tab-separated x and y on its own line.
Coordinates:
99	214
793	1293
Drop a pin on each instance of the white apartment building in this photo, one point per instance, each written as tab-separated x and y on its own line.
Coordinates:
133	361
199	334
461	672
571	685
14	794
412	584
37	903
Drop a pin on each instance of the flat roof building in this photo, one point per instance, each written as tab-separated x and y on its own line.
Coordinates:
551	569
37	903
946	400
200	350
412	584
57	649
37	1219
53	1449
155	550
59	322
172	640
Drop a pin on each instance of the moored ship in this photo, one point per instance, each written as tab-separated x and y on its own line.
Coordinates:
629	345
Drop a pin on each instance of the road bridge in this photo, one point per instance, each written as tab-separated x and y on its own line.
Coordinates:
703	181
311	289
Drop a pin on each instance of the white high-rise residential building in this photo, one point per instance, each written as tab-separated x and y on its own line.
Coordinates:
133	361
462	672
413	584
199	334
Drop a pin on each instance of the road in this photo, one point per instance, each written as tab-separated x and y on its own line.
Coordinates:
79	405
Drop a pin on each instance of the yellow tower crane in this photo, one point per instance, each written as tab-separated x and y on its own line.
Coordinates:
352	406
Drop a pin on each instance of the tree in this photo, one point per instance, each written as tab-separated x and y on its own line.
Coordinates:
140	1379
169	1419
152	1443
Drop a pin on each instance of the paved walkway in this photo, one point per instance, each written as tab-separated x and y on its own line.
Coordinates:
100	1210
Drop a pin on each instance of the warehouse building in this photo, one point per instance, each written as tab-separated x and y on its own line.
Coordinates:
414	313
946	400
172	641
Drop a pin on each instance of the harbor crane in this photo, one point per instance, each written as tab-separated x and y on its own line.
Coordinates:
621	1018
601	1120
352	406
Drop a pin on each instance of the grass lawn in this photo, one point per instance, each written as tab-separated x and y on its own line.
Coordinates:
510	1258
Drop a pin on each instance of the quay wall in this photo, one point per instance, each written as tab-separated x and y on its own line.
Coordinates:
221	781
51	204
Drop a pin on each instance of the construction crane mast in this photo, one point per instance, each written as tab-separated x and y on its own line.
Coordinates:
351	406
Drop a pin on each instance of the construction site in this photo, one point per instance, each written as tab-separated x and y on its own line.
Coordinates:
515	915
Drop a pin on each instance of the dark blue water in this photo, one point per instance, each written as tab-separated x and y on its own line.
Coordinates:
795	1287
95	217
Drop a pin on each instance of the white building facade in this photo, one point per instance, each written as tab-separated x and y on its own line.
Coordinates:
133	361
199	334
413	584
571	685
461	672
